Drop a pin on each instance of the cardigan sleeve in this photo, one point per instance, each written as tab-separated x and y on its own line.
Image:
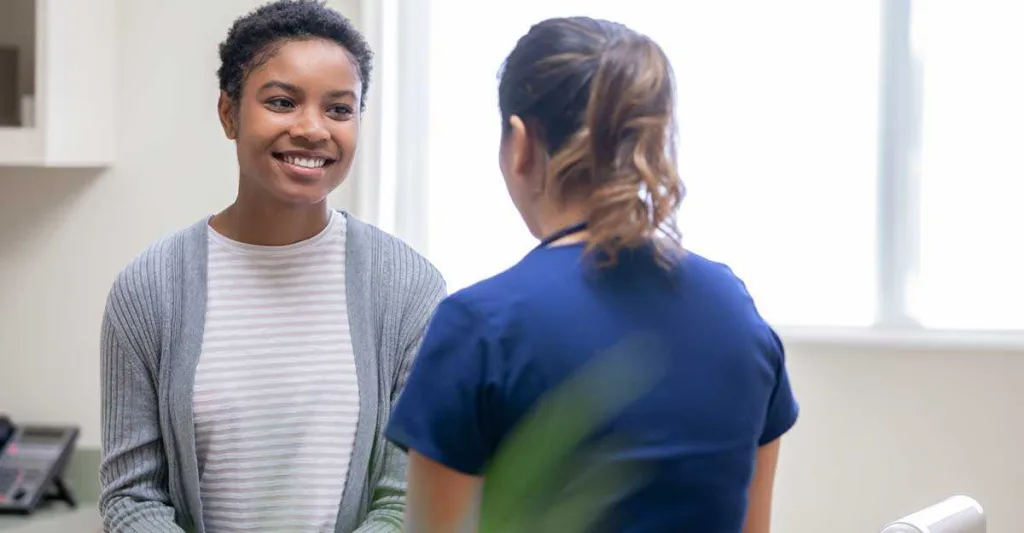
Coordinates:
422	289
387	503
134	494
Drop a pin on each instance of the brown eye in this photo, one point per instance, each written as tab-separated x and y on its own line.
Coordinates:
280	104
340	111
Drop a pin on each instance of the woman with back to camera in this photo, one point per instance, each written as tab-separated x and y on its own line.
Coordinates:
588	158
250	361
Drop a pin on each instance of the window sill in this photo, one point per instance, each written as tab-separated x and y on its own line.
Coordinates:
904	339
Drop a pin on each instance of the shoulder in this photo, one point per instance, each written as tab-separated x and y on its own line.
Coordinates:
399	273
140	287
715	278
726	294
398	260
494	305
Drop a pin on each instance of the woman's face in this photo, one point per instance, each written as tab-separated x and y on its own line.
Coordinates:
296	124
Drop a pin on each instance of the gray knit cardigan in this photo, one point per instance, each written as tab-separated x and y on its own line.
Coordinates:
151	339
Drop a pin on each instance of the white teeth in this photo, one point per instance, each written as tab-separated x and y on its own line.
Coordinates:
305	162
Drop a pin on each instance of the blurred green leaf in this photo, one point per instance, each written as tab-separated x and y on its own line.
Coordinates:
543	477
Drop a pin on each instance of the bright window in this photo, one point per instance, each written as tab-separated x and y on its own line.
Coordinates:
784	110
777	142
972	164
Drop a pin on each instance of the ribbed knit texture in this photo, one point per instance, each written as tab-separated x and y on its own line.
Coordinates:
150	344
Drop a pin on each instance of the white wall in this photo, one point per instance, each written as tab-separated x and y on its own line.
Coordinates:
883	431
64	234
886	431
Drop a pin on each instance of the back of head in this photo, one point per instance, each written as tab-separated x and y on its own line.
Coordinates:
601	98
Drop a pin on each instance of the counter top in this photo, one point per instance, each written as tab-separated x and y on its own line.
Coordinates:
55	518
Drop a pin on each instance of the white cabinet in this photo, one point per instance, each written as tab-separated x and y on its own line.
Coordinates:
65	101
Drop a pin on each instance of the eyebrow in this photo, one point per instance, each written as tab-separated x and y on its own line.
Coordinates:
337	93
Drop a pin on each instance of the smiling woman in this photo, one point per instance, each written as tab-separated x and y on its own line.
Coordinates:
245	382
292	92
300	123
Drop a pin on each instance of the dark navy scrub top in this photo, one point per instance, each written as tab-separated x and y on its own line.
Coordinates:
494	349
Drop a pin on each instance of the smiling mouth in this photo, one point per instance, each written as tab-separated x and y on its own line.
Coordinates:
310	162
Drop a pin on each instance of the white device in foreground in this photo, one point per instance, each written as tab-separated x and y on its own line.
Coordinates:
958	514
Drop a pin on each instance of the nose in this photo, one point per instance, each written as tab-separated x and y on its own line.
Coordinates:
309	125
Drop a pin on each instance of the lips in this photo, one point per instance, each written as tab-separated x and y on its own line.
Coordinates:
305	161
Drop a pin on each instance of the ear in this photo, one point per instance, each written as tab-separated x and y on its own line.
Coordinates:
525	154
228	115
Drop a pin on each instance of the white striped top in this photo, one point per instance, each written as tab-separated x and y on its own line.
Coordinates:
276	398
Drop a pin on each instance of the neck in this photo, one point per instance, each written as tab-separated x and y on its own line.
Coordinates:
271	225
553	218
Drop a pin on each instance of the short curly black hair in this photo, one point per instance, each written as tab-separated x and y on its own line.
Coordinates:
254	38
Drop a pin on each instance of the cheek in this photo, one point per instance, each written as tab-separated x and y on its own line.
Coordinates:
256	131
514	184
505	174
504	164
502	158
519	193
346	138
247	147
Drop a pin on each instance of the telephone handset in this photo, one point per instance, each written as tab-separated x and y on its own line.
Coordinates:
32	462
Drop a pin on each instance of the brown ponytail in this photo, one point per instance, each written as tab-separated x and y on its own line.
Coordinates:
619	155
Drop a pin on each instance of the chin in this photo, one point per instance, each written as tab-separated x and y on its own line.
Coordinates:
302	201
292	194
302	192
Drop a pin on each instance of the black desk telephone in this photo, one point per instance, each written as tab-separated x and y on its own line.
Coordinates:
32	461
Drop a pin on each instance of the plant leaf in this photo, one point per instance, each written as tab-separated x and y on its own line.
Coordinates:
525	487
